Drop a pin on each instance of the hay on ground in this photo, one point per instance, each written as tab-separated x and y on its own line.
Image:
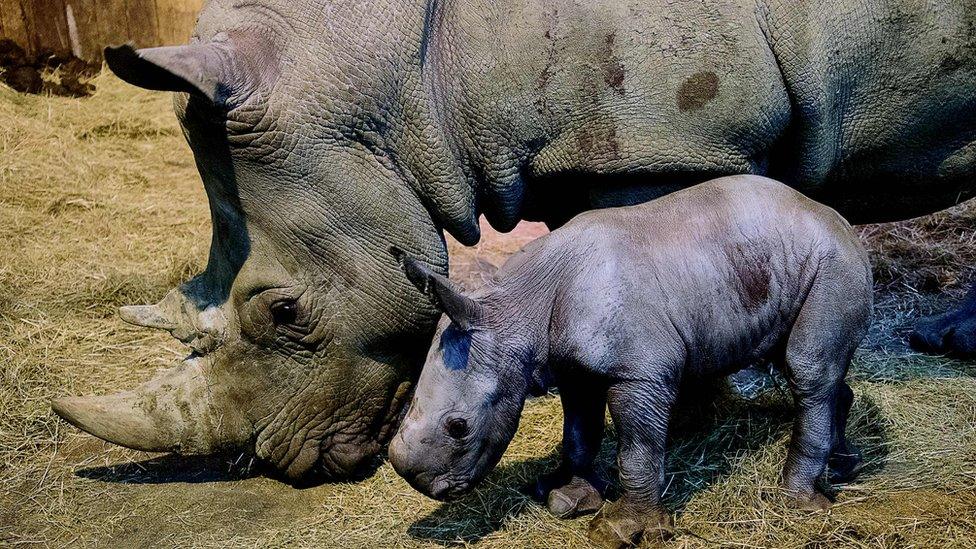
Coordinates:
100	206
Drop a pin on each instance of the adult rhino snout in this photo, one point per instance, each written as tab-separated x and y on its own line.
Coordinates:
173	412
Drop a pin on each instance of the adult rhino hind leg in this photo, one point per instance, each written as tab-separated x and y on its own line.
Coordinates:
953	332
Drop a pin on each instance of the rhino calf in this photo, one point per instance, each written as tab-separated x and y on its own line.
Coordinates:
620	307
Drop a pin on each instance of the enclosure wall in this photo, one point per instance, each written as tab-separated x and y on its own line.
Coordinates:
84	27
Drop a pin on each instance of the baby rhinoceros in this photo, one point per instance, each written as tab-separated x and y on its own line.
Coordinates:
621	306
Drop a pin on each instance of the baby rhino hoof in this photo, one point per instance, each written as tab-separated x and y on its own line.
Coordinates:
620	524
578	497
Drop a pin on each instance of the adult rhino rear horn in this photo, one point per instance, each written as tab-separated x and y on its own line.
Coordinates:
201	329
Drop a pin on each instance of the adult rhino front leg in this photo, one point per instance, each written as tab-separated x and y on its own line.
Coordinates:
953	332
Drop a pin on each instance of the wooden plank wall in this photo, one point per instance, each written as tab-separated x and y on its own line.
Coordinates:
84	27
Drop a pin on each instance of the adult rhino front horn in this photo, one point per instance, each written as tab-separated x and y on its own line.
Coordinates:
327	131
173	412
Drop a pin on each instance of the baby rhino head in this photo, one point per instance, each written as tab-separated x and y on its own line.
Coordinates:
467	403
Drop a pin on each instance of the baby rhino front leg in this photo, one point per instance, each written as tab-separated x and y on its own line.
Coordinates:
641	412
575	488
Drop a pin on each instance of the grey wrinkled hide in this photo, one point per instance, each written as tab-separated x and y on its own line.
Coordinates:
326	131
621	306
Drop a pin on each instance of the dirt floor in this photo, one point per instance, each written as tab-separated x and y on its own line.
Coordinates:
101	206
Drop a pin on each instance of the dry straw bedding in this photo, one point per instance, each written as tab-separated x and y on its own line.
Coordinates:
100	205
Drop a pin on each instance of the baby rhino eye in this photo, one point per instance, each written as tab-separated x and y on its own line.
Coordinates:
457	428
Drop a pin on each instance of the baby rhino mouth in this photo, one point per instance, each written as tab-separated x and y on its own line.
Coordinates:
444	488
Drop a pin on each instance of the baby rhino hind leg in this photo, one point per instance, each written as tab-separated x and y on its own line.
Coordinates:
845	459
829	328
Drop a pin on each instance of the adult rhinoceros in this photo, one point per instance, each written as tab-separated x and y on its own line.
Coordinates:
326	131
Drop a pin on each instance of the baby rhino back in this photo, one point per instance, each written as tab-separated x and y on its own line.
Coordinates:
721	270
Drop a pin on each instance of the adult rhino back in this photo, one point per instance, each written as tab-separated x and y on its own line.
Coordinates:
883	100
327	131
868	107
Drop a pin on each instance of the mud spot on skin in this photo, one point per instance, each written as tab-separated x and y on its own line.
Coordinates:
751	273
614	72
543	81
697	90
755	287
599	141
950	63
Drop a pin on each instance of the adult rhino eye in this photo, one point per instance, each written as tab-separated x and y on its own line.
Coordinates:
457	428
284	312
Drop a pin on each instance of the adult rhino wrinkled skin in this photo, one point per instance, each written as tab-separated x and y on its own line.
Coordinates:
327	131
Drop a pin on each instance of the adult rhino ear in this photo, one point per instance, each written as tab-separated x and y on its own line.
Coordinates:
461	309
216	70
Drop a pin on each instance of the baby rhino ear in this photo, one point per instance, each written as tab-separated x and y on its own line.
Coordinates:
461	309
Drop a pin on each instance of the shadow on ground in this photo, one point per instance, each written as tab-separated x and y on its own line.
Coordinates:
487	509
173	468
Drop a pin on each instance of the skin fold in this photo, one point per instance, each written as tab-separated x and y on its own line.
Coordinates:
326	131
618	308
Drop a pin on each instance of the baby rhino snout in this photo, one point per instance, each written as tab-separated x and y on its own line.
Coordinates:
412	461
417	457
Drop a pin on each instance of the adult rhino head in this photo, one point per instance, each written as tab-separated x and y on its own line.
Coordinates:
304	336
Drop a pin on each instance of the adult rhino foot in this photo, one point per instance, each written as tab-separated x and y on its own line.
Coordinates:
951	333
624	524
